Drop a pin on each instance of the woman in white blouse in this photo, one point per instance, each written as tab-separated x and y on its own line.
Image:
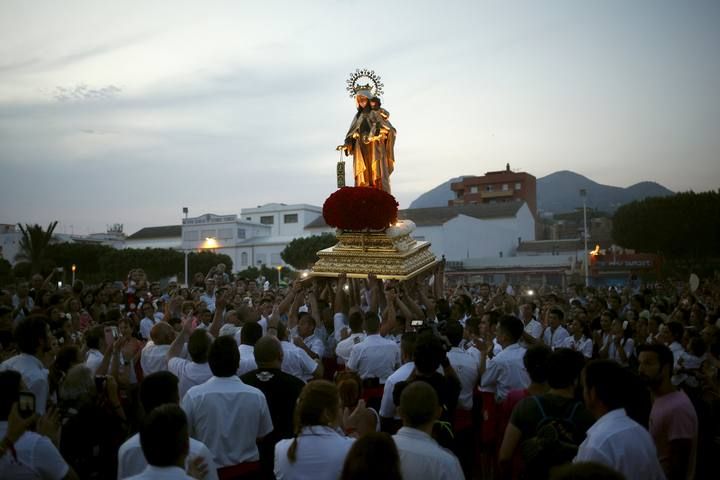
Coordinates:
320	446
621	346
580	338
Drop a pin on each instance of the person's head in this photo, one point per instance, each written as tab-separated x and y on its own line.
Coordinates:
162	334
205	316
484	290
349	386
250	333
419	405
676	331
164	436
199	345
603	386
429	353
95	338
148	310
579	327
362	101
78	386
266	307
10	384
268	352
36	281
306	324
454	333
67	357
356	322
224	357
655	364
555	317
407	346
317	405
526	311
31	335
158	389
535	362
606	319
372	323
375	103
509	330
563	368
210	285
124	327
375	456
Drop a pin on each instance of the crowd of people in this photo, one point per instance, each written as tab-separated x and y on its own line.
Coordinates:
358	378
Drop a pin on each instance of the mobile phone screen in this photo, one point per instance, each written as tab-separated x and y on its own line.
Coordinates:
26	404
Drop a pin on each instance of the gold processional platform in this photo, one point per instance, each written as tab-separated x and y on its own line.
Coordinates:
391	254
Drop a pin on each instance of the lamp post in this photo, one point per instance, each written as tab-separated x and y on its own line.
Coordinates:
73	268
279	269
583	194
187	252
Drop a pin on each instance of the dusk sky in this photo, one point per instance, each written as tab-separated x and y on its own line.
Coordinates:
127	111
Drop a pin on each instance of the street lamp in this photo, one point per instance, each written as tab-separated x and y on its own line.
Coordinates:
73	268
583	194
279	269
209	244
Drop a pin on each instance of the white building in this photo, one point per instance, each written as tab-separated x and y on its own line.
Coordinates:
256	237
168	236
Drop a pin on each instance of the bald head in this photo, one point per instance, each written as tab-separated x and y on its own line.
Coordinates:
268	352
162	334
419	405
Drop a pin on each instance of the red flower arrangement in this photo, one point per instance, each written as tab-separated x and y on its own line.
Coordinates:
360	208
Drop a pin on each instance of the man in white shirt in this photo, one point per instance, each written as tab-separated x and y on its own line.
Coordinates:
615	439
225	413
420	455
95	343
31	335
209	296
33	455
387	404
165	444
345	346
506	370
555	334
249	335
306	338
374	357
158	389
196	370
295	361
153	357
465	365
22	302
148	320
533	328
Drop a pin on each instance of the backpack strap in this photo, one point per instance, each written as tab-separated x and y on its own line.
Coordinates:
539	404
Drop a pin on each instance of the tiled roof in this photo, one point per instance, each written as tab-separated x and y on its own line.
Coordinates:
168	231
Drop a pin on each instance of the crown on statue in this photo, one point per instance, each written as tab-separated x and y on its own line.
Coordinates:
364	80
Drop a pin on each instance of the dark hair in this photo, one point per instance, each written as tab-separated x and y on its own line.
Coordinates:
30	332
454	333
158	389
472	325
535	360
418	404
317	404
664	354
375	456
429	353
224	357
608	379
512	326
164	436
199	345
307	317
349	386
251	333
9	391
94	336
408	341
676	330
558	313
356	321
372	323
563	367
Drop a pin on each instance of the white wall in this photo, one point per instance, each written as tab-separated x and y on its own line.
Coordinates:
170	242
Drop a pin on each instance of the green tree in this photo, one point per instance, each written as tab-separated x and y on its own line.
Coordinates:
34	245
301	253
684	228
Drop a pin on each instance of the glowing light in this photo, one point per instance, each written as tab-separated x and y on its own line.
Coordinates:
305	274
210	242
73	268
596	252
346	287
530	292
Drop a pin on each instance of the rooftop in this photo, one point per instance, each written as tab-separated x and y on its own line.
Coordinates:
168	231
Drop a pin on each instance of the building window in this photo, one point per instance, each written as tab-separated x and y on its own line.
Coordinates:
191	236
244	259
518	186
290	218
474	189
505	187
225	233
267	220
208	234
241	233
249	219
488	188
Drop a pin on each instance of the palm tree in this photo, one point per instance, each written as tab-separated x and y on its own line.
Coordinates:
33	245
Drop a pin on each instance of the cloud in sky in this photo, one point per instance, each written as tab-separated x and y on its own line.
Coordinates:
126	112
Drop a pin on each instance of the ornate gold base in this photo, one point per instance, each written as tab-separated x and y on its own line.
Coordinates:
391	254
